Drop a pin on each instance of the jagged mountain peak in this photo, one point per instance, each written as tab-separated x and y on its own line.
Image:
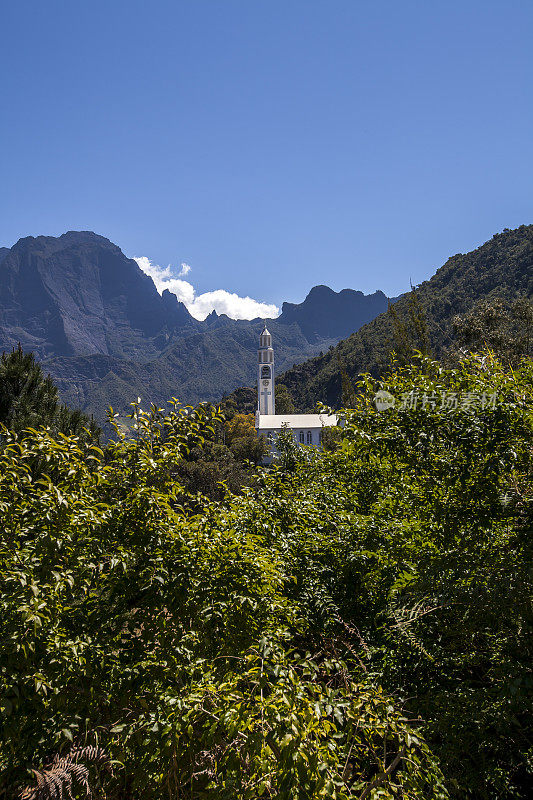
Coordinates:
325	312
65	240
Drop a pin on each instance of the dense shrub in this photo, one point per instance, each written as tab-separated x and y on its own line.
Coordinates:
152	623
357	621
413	541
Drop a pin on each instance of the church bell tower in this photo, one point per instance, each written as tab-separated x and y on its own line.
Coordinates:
265	374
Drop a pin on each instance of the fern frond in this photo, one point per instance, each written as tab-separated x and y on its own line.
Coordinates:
405	618
56	781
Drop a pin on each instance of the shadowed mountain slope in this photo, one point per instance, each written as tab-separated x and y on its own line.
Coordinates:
200	367
328	314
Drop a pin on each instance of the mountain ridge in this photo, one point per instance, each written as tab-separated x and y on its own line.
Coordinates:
500	267
97	322
347	302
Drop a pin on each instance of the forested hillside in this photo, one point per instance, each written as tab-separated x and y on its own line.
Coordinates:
502	267
356	624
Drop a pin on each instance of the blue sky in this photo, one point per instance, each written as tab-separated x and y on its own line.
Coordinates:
270	145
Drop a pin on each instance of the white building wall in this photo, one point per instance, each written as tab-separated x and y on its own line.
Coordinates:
309	437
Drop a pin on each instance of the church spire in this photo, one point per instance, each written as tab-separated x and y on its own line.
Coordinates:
265	374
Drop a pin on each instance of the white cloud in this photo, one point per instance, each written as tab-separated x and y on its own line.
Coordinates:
200	305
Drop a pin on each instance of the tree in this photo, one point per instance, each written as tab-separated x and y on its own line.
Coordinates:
504	327
239	426
355	625
242	439
410	330
331	437
284	401
411	543
240	401
29	399
348	394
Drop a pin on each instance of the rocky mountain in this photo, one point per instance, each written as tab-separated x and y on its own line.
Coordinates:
328	314
502	267
101	329
78	294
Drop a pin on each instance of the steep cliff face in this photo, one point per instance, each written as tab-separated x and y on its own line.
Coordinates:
78	294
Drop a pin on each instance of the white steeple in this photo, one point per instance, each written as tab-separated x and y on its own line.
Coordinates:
265	374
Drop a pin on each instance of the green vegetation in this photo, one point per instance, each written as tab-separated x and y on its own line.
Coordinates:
504	328
502	268
284	401
224	461
355	624
29	399
410	328
244	401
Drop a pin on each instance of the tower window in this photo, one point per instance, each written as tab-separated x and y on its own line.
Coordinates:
265	372
309	437
301	437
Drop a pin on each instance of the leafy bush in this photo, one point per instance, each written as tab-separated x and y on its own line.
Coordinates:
357	621
411	542
154	624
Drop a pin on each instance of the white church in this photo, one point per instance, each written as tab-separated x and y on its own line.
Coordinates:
306	428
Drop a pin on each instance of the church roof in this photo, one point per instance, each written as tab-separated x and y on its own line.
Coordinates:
278	421
265	331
